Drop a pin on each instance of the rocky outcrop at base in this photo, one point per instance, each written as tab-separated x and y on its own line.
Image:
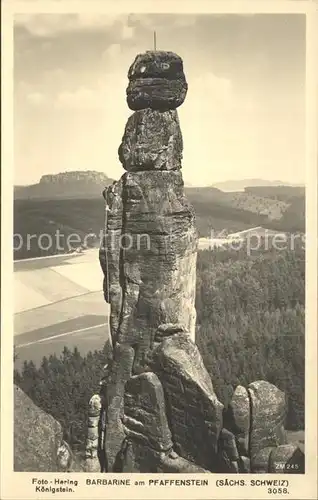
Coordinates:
194	409
38	439
268	410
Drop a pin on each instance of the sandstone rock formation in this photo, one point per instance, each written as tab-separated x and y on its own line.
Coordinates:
239	419
287	458
156	81
195	412
93	434
38	439
268	408
152	141
159	410
145	411
113	397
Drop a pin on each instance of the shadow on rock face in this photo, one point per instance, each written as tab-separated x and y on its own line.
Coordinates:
38	439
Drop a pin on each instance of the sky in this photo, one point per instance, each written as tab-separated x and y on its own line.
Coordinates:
243	117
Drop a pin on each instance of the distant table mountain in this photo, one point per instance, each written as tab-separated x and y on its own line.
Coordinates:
75	184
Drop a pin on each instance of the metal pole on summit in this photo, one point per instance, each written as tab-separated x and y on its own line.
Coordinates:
155	40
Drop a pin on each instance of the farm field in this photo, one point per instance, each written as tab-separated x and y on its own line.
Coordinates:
85	339
58	305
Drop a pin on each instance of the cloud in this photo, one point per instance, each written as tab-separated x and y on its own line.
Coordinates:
82	98
185	20
54	75
26	93
45	25
127	32
210	91
106	94
113	51
36	98
157	21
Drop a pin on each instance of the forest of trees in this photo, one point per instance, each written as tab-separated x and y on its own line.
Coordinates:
251	321
283	193
250	326
62	386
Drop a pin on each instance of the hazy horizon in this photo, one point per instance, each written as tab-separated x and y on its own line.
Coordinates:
187	184
243	118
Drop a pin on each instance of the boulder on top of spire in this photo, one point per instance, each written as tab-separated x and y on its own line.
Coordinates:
157	81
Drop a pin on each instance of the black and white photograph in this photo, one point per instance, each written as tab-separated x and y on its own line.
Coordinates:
160	190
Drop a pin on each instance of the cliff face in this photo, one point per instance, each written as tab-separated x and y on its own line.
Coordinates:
38	439
158	409
151	251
